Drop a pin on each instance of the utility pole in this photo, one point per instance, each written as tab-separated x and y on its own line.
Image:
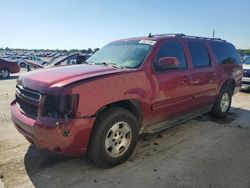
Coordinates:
213	33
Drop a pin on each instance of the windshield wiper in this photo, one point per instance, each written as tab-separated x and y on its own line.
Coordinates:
110	64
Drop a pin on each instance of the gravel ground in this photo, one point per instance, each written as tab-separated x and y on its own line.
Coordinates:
203	152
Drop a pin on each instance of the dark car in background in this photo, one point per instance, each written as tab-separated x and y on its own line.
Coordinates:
7	68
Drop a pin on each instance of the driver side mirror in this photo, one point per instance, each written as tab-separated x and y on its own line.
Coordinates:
168	63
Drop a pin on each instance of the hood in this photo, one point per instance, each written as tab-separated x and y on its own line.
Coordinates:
57	77
33	63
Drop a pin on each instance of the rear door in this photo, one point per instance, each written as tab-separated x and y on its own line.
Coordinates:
204	75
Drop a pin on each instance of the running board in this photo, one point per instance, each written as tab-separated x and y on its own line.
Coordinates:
153	128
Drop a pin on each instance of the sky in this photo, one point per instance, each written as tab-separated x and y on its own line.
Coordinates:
81	24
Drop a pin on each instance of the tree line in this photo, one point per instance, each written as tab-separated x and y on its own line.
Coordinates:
244	51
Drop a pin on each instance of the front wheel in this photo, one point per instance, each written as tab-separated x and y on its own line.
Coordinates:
114	137
223	103
4	73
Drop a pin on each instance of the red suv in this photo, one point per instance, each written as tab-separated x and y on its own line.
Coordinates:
129	87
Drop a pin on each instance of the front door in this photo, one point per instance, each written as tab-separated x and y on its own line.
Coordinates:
173	92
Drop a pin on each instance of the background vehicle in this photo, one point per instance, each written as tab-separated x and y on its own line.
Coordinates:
18	59
244	57
8	67
130	86
71	59
246	72
35	59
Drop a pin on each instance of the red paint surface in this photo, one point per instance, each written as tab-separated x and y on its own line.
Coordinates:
12	67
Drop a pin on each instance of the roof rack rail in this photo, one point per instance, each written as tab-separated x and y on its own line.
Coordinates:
206	38
183	35
167	34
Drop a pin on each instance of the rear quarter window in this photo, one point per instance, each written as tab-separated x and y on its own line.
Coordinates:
225	53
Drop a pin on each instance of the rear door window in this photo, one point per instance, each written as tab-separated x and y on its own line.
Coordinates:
225	53
199	54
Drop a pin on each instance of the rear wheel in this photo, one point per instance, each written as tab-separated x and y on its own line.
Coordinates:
4	73
223	103
114	137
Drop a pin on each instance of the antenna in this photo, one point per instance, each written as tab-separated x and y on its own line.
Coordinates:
213	33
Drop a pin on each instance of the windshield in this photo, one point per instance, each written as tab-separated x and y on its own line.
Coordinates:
124	54
247	61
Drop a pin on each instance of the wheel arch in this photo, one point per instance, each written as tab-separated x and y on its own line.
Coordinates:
230	83
132	105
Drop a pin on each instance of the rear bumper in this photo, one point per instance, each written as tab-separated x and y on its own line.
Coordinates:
48	133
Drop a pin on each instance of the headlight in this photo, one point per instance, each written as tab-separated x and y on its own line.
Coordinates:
62	106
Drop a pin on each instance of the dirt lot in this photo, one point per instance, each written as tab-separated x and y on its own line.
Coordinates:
203	152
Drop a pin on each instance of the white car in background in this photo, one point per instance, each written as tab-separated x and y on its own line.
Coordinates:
35	59
246	72
19	59
244	57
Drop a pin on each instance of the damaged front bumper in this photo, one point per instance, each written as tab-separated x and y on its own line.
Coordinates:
66	137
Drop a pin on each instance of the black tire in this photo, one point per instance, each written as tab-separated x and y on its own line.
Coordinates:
4	73
106	120
217	110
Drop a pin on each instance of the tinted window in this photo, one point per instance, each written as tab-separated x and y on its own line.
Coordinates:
199	54
171	49
225	53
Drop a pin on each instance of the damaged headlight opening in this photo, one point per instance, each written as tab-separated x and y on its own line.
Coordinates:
62	106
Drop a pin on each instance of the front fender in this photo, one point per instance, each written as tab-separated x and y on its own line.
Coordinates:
100	92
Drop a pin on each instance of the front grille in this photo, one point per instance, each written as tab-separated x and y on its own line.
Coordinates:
28	109
27	100
27	93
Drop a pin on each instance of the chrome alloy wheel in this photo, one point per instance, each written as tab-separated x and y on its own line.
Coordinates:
4	73
225	102
118	139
